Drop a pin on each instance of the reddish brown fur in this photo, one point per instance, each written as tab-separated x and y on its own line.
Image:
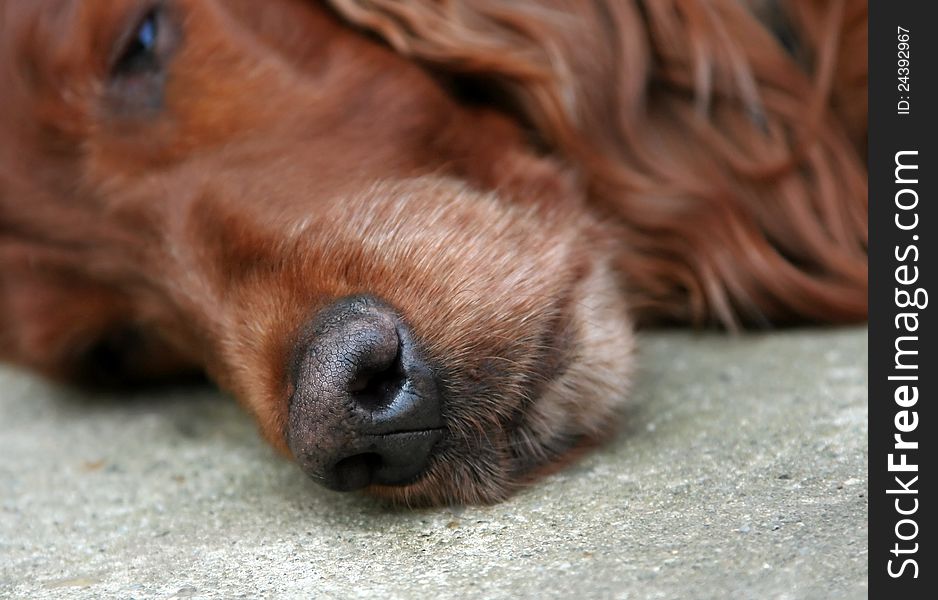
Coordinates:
667	155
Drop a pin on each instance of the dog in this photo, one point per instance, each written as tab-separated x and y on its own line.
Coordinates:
413	237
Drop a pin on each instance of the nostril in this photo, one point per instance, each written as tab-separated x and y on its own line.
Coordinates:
374	388
355	472
391	459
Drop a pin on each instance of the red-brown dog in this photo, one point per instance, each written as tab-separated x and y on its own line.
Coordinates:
412	237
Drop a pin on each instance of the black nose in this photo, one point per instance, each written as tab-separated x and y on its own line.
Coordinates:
366	408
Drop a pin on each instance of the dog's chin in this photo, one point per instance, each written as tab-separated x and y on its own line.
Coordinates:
573	407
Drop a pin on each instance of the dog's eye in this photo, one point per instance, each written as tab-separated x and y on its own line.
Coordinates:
139	55
140	62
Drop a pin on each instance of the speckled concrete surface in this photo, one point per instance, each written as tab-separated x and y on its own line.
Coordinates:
741	473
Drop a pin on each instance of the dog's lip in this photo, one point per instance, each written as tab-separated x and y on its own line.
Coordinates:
436	435
440	429
433	434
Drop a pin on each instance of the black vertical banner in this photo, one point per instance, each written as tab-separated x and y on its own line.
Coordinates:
903	165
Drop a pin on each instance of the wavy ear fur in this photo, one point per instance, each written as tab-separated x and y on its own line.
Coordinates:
731	165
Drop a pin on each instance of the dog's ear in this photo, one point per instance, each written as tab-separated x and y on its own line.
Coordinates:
741	195
851	76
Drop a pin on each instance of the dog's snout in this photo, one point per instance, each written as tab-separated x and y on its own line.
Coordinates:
366	406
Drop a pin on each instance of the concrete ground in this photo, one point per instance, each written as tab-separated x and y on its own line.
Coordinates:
741	473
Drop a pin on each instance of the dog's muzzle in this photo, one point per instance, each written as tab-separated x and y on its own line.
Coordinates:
366	406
